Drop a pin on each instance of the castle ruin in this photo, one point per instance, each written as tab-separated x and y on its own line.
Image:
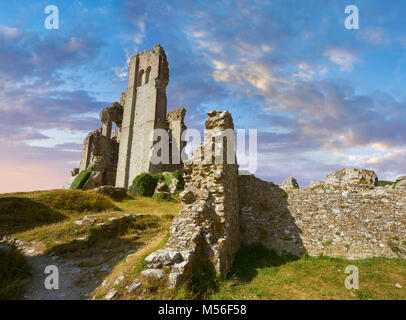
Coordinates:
118	156
346	215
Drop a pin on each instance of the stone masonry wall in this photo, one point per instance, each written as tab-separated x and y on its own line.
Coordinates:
207	229
334	221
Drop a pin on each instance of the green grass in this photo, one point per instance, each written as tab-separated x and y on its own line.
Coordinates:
162	196
147	205
49	216
258	273
48	219
124	233
204	283
81	178
20	212
14	272
76	200
383	183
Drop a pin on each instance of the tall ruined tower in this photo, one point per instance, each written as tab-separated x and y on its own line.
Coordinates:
144	110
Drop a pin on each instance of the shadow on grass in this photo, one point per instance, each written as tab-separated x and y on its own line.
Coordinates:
109	235
14	272
248	260
22	214
203	283
19	214
251	258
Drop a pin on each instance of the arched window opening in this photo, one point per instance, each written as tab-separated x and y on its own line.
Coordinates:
140	78
147	73
114	129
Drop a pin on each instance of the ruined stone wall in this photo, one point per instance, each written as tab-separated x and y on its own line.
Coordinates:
101	153
207	229
100	149
330	220
108	116
176	125
144	111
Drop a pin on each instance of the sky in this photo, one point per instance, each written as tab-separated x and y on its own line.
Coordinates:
322	97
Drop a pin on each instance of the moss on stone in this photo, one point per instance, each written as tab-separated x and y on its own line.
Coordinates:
81	179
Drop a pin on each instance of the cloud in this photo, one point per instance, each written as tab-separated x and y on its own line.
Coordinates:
121	73
273	75
375	35
26	54
342	57
301	116
9	33
42	109
35	99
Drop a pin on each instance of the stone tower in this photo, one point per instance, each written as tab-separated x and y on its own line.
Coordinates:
144	110
125	145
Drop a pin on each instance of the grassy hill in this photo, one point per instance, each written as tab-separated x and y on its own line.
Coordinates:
108	240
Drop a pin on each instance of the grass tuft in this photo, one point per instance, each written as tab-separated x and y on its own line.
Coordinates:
383	183
76	200
14	271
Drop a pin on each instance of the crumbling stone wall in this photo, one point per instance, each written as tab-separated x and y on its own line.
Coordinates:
108	116
101	153
176	125
345	215
100	148
352	220
207	229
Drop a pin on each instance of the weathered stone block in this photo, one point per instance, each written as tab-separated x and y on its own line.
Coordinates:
352	177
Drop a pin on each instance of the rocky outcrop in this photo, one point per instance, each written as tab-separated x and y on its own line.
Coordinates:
351	178
289	184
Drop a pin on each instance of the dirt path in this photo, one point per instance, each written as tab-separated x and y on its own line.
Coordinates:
75	283
79	274
77	279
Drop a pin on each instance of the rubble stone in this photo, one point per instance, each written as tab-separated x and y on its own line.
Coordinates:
351	178
153	273
289	183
